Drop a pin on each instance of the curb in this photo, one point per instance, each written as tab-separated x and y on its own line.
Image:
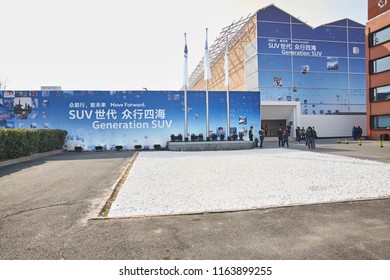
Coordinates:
28	158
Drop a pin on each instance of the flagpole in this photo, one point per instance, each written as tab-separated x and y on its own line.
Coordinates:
228	111
207	77
207	109
185	88
185	114
227	87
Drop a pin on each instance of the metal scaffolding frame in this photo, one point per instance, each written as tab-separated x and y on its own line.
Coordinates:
229	34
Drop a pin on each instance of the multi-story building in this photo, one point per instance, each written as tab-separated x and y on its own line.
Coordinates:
378	69
306	76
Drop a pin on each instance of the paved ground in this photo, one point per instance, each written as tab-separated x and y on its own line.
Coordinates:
47	207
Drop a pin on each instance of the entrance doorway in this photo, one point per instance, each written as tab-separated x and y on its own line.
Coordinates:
273	126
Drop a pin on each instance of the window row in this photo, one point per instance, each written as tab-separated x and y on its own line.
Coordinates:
380	122
380	65
380	93
379	37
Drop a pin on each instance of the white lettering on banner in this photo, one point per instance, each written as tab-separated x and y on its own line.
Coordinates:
134	117
149	114
103	114
131	125
128	105
161	124
301	48
80	114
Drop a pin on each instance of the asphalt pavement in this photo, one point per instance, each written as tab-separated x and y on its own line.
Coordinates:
49	207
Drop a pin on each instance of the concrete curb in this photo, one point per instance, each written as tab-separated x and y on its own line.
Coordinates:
28	158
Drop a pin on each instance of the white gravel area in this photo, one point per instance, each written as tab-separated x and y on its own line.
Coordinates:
162	183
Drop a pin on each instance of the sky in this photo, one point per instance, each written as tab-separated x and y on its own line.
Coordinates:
127	44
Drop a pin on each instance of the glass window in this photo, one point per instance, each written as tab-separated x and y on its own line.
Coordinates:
380	36
380	65
378	122
380	93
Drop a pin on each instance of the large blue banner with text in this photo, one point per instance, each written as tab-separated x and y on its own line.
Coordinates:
323	68
127	118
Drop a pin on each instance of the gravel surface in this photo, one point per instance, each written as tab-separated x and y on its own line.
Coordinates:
162	183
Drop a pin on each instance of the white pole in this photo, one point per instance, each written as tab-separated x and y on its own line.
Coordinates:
185	87
207	76
227	87
207	108
185	113
228	111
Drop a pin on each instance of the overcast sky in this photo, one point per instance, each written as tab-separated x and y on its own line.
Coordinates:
126	44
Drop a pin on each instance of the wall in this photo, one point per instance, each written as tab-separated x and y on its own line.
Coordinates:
322	68
334	125
126	118
251	67
377	7
379	79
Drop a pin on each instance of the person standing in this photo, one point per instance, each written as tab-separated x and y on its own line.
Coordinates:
314	137
298	134
285	138
251	134
359	132
279	133
354	132
310	138
261	137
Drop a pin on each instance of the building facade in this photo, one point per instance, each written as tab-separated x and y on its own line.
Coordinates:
378	69
306	76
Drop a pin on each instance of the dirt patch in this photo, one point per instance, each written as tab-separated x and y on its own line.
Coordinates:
106	208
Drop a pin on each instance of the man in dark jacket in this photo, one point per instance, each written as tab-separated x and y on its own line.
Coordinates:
251	134
279	133
261	136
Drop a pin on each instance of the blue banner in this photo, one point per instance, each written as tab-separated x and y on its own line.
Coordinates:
127	118
323	68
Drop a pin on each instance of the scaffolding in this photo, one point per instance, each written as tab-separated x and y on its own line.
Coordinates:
237	35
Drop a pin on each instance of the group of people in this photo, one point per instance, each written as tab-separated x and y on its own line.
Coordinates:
308	135
283	137
357	132
261	136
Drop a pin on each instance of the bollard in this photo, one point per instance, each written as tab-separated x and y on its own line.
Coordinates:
359	142
338	141
346	140
381	143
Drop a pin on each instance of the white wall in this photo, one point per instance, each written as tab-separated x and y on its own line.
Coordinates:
333	125
251	67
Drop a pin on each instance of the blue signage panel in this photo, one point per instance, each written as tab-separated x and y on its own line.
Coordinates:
323	68
127	118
